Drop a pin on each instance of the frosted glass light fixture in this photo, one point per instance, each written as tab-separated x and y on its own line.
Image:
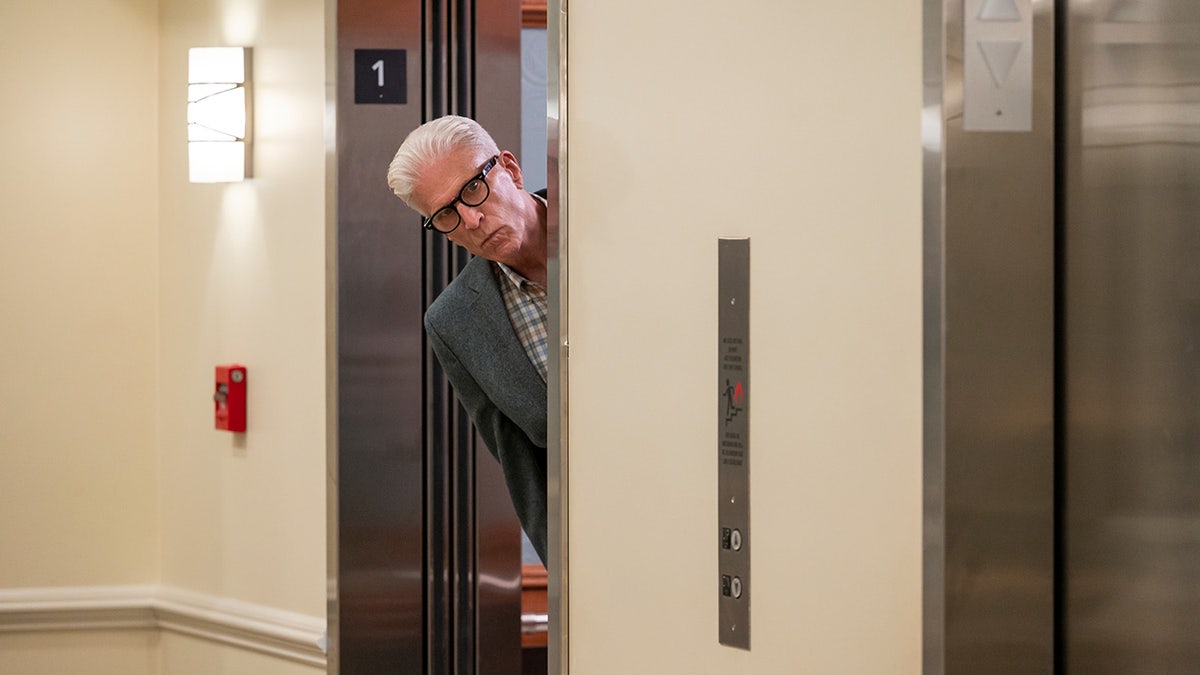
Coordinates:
219	118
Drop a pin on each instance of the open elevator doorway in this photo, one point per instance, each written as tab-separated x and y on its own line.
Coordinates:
427	569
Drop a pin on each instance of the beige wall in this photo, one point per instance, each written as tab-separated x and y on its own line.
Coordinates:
796	124
78	272
185	655
122	286
80	653
242	275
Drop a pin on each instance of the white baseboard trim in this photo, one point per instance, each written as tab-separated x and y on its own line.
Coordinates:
297	637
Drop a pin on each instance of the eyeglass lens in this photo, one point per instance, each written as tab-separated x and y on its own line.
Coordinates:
474	193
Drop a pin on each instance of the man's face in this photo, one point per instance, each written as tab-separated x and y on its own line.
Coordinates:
497	229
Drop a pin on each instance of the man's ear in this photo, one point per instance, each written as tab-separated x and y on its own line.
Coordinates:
510	164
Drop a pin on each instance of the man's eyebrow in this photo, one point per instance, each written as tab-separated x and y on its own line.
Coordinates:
441	204
457	191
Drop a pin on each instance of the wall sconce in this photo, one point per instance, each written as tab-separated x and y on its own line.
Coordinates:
219	120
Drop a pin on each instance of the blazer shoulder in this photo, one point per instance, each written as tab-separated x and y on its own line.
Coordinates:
448	306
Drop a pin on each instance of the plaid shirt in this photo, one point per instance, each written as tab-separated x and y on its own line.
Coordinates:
526	305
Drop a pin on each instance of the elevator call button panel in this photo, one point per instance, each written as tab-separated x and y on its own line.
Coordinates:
733	442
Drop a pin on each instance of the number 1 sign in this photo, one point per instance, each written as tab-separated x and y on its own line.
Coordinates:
380	76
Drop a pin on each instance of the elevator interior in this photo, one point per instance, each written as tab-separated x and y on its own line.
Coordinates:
1063	347
424	547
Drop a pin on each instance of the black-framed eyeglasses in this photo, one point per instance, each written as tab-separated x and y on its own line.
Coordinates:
473	193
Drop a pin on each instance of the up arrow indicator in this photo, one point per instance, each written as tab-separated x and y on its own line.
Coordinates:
1000	10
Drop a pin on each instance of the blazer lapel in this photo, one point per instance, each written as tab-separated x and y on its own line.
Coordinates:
499	339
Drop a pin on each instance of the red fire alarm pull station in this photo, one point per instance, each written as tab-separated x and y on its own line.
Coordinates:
230	398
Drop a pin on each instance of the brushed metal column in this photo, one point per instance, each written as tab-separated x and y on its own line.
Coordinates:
1132	337
377	585
989	371
558	388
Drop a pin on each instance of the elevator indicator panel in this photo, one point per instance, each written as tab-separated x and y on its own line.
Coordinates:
998	65
733	441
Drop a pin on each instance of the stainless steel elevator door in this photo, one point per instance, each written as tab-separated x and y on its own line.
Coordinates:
1131	319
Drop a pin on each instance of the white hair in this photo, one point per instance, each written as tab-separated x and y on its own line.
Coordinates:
429	143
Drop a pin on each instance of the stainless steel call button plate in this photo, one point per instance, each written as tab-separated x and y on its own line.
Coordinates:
733	442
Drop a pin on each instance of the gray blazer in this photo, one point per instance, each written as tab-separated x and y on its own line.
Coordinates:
474	340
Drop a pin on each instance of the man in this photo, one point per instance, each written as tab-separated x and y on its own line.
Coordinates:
488	328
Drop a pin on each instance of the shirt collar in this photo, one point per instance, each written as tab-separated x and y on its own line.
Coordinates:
514	276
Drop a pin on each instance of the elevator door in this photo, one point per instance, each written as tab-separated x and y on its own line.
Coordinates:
1130	337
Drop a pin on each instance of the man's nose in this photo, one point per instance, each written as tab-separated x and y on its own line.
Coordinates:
470	215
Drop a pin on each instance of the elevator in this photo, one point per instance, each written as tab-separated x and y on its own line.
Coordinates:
424	546
1062	342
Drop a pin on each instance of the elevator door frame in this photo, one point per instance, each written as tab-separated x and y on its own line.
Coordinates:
989	366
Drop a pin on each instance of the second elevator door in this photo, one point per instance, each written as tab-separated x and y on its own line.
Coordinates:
1130	358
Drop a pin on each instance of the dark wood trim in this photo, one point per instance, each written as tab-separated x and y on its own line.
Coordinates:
533	14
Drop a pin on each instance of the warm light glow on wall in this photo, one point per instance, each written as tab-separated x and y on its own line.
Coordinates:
219	120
